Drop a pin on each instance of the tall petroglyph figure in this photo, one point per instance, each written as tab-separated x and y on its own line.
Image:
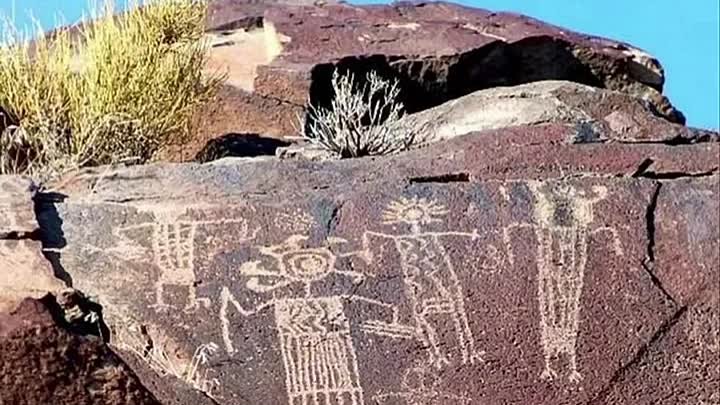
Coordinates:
173	249
563	217
432	286
319	357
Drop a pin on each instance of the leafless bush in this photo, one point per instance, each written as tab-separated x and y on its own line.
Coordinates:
363	119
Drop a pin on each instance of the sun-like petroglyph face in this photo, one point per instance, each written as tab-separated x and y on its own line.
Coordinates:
563	205
308	264
298	263
414	212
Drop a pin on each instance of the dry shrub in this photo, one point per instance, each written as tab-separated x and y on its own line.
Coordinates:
126	86
363	118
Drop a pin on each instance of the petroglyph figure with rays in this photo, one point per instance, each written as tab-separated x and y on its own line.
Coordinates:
432	286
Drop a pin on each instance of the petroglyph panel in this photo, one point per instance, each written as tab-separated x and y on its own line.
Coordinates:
494	292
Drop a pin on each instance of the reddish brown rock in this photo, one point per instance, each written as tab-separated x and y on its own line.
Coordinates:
280	56
25	272
680	366
505	266
44	363
687	237
480	328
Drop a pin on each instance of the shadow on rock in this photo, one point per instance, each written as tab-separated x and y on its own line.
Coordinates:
239	145
51	232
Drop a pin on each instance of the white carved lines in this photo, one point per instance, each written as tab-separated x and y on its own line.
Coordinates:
318	353
315	343
420	386
295	264
563	216
431	284
173	250
415	212
195	372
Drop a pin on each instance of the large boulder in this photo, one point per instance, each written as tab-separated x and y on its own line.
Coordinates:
24	271
603	115
514	265
45	362
279	57
553	240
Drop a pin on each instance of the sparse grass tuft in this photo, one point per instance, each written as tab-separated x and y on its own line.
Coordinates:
127	86
363	119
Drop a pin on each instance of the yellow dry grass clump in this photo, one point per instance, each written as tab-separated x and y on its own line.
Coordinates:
124	87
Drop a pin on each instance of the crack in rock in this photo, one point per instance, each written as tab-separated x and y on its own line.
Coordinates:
663	330
649	263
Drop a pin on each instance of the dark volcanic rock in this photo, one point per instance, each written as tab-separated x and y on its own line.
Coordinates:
280	56
554	242
681	365
507	266
43	363
687	230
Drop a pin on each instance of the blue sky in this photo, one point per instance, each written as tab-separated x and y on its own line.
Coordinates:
682	34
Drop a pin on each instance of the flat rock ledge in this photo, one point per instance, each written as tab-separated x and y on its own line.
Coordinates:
465	272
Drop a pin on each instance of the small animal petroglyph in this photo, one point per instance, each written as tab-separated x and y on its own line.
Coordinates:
563	216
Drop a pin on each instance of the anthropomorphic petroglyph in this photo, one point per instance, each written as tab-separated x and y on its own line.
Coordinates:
317	349
173	249
563	217
432	286
420	386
